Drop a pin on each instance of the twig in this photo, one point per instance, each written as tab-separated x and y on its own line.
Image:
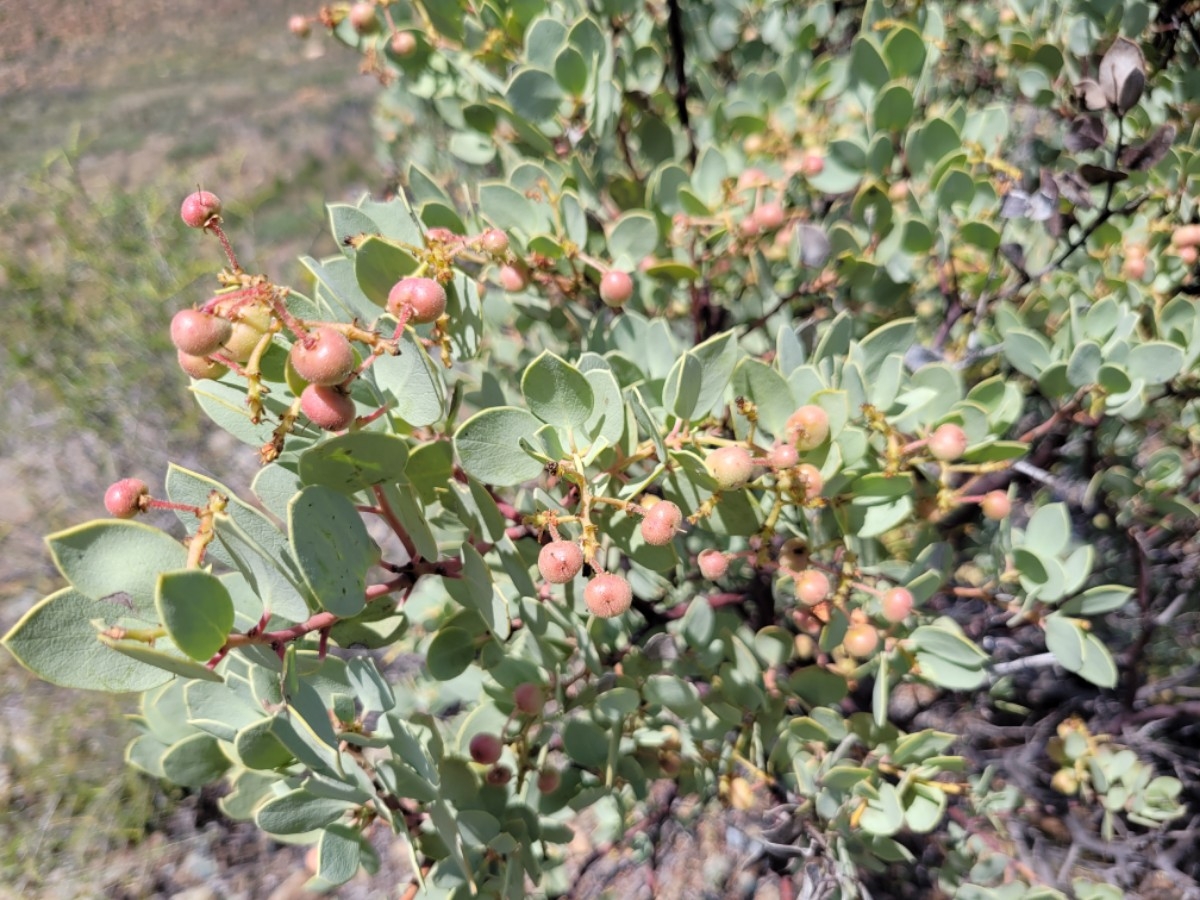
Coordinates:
679	67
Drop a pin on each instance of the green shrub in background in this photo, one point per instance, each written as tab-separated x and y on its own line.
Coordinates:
772	359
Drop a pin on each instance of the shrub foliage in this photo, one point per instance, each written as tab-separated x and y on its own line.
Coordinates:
728	368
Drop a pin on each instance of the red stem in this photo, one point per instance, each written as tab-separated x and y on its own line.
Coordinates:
389	516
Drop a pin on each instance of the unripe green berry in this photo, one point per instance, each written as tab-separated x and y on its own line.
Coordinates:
812	587
713	564
948	442
199	333
660	523
616	288
199	208
731	466
423	296
861	640
560	561
324	356
528	698
485	748
608	595
328	407
808	427
242	341
123	499
200	367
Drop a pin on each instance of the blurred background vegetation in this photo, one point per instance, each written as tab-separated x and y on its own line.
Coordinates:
113	111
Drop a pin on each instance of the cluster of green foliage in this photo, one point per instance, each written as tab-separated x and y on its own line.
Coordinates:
828	286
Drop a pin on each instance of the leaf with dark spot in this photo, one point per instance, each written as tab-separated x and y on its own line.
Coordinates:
1141	157
1015	254
1123	74
1100	175
1085	133
1075	189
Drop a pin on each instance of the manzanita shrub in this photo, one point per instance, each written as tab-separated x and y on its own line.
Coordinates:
732	366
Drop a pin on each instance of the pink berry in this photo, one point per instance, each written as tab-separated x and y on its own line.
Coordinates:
362	18
123	498
810	476
813	164
748	227
782	456
494	241
200	367
812	586
199	333
861	640
324	356
498	776
440	235
713	564
947	442
995	505
299	26
548	781
731	466
608	595
528	698
423	296
896	603
660	523
199	208
752	178
616	288
769	216
403	43
560	561
808	427
513	279
327	407
485	748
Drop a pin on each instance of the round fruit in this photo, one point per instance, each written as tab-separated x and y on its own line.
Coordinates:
812	587
947	442
425	298
560	561
362	18
324	356
199	333
748	227
199	208
513	279
403	43
244	336
485	748
752	178
793	555
783	456
1134	267
660	523
298	25
327	407
713	564
200	367
499	776
731	466
808	427
861	640
1186	236
548	781
1189	254
813	164
608	595
810	475
616	288
896	604
769	216
995	505
123	498
494	241
528	698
